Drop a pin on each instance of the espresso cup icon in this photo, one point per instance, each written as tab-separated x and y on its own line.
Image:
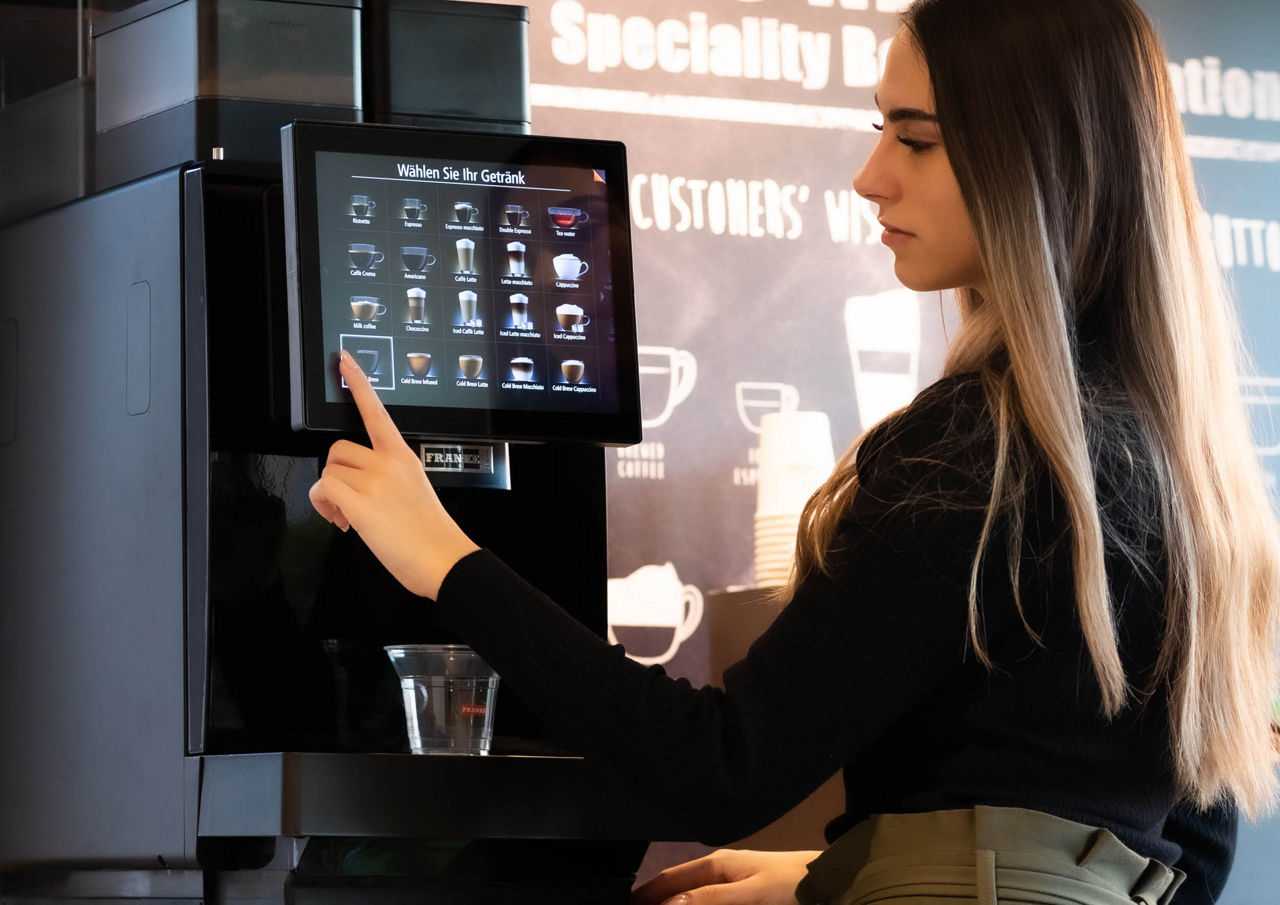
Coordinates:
464	211
366	307
573	370
466	255
567	217
415	258
515	259
471	366
520	310
364	256
572	318
516	215
569	267
414	208
755	399
522	369
368	360
667	376
363	205
419	363
417	299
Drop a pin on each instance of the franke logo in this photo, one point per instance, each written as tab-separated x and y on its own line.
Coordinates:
472	459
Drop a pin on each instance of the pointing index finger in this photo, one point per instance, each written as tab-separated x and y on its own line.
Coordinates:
382	430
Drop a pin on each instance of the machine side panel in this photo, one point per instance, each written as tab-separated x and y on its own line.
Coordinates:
91	554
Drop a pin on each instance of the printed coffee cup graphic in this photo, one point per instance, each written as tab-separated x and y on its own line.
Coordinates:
464	211
414	208
573	370
1262	400
567	217
415	258
520	311
569	267
417	300
883	331
368	359
366	307
755	399
515	259
466	255
667	377
471	366
572	318
363	205
522	369
467	308
364	256
516	215
419	363
653	597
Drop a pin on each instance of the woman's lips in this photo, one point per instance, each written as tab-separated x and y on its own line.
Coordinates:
893	236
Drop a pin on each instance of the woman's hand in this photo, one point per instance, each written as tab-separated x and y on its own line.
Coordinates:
384	494
728	877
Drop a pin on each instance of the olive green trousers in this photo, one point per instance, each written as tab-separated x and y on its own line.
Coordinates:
985	855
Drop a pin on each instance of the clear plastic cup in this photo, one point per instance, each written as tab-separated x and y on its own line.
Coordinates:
448	697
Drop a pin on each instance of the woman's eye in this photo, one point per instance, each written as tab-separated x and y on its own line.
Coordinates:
917	145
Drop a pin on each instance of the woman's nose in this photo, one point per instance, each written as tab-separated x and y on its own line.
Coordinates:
873	180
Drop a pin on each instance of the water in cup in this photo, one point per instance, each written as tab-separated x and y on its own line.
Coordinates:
448	693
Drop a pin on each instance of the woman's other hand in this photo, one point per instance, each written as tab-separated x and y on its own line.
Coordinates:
728	877
384	494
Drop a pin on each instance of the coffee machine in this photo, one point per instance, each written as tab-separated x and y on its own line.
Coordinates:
194	697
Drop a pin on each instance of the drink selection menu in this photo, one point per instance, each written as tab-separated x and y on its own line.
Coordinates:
467	284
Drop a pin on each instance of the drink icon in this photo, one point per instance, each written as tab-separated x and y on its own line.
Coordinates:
883	332
419	363
366	307
363	205
515	259
520	311
415	258
666	374
471	366
364	256
467	308
368	360
516	215
572	318
463	211
466	255
573	370
756	398
417	299
414	208
567	217
569	267
522	369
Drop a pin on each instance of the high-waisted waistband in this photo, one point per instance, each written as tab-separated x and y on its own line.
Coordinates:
987	855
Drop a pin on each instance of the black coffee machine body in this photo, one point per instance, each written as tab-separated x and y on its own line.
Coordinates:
195	700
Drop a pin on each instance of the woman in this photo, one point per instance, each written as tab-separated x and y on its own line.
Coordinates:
1034	615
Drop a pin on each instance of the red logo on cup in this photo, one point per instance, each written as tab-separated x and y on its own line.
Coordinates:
474	709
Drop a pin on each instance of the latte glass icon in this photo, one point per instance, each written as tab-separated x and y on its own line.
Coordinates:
364	256
467	308
520	311
466	255
515	259
417	305
366	307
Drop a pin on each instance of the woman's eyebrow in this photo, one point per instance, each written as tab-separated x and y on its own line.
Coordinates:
899	114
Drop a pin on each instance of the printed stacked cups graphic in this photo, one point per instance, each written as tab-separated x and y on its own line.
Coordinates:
795	458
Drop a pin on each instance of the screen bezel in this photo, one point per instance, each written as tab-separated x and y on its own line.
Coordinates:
308	359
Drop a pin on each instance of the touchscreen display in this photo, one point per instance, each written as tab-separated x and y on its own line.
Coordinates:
482	282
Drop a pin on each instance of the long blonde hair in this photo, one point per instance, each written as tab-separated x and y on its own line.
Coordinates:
1060	123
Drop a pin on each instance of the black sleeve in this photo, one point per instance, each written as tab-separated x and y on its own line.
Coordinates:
1208	841
846	656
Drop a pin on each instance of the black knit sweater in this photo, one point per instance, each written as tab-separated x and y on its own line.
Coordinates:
871	670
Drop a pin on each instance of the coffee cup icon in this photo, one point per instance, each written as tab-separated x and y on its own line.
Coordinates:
573	370
414	208
368	360
567	217
467	308
366	307
463	211
515	259
417	299
522	369
471	366
363	256
516	215
415	258
520	310
466	255
654	597
363	205
419	363
569	267
883	332
667	377
572	318
755	399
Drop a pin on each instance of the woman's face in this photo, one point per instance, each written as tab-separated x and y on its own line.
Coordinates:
909	177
